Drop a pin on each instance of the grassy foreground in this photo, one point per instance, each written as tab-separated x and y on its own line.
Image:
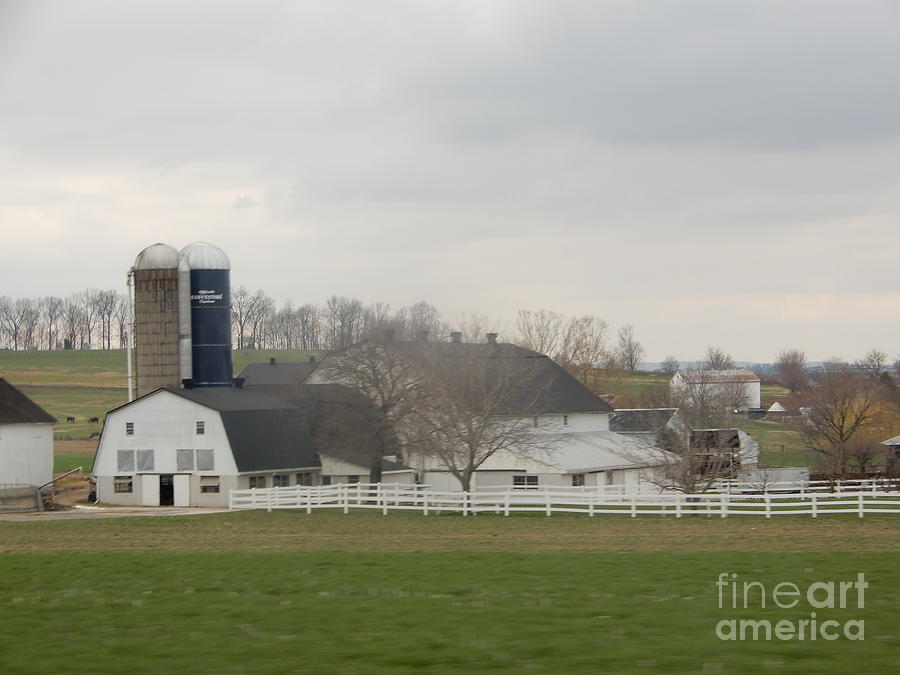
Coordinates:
363	593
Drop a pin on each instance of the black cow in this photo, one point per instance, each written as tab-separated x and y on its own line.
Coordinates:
70	420
94	420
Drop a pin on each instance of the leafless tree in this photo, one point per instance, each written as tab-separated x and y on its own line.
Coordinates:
690	465
840	405
51	308
717	359
475	407
260	311
791	367
629	350
669	366
13	317
540	330
73	321
240	303
583	347
873	363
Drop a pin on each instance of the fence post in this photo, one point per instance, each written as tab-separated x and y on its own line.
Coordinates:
424	502
465	503
547	500
768	506
633	507
269	500
383	499
678	500
724	505
506	503
345	493
591	496
309	501
815	509
862	510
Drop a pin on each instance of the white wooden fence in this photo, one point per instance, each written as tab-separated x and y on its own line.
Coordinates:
550	500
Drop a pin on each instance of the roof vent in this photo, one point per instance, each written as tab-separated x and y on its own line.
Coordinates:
239	382
456	337
492	338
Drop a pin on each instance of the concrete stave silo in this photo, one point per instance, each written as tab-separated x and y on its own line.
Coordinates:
156	318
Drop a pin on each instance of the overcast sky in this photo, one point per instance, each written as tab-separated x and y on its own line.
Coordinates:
715	173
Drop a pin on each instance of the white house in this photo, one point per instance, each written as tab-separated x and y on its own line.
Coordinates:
737	389
26	440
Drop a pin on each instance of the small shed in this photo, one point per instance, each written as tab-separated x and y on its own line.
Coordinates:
26	440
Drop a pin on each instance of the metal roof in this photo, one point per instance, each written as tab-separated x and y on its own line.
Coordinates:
157	257
17	408
203	256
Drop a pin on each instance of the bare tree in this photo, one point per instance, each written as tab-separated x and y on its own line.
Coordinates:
13	316
540	331
717	359
52	309
475	407
690	463
791	366
669	366
873	363
629	350
583	347
840	406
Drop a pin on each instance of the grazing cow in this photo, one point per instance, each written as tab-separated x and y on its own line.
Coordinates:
70	420
94	420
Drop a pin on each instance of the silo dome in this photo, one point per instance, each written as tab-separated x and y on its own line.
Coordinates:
203	256
157	257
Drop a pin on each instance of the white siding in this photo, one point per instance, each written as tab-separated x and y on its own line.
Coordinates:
26	454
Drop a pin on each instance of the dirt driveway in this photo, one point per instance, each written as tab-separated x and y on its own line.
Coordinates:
82	512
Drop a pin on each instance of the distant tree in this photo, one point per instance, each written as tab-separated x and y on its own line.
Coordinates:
840	405
240	304
669	366
583	347
51	308
873	363
791	366
717	359
629	351
540	330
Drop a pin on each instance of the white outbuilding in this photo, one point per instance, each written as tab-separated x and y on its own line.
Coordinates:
26	440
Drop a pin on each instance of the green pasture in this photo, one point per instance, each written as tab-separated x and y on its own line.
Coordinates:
363	593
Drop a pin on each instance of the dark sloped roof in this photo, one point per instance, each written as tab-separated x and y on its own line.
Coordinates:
284	374
520	382
265	432
17	408
342	422
641	420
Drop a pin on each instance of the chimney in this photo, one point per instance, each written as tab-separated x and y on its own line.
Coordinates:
492	338
456	337
271	360
239	381
187	383
388	334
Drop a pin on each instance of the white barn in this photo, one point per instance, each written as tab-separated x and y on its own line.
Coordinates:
26	440
190	447
737	389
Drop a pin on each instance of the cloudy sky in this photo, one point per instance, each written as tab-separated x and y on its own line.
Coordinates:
711	172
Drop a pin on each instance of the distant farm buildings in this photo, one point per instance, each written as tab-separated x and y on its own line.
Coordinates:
26	440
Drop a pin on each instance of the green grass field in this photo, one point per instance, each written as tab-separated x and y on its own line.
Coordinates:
362	593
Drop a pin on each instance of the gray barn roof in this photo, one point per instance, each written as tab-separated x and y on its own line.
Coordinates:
641	420
17	408
281	374
264	432
534	383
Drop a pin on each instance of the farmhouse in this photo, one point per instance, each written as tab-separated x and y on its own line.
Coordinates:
571	443
190	447
737	389
26	440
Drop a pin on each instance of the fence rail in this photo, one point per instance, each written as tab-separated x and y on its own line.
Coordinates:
551	500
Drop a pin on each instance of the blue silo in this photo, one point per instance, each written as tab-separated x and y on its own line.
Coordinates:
204	269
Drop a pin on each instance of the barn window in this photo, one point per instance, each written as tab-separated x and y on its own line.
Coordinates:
129	428
184	460
257	481
126	460
281	480
525	482
304	478
122	484
145	460
578	480
201	427
352	479
209	484
206	460
565	420
326	480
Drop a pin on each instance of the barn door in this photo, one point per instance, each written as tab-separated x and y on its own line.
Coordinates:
167	490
